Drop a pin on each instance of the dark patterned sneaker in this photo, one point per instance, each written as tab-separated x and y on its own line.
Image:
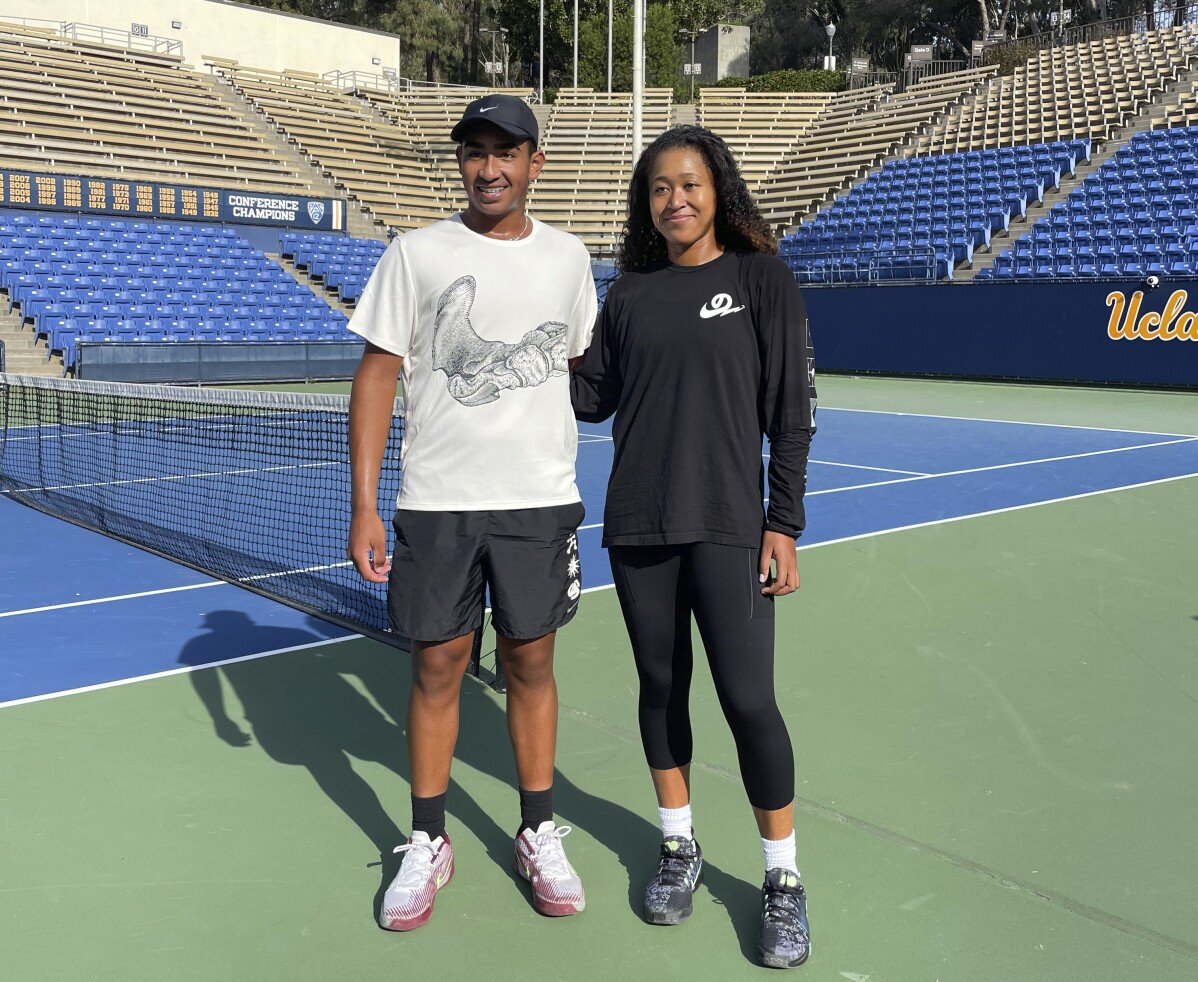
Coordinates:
785	940
669	897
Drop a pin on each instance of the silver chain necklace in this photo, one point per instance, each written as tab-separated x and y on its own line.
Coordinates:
506	238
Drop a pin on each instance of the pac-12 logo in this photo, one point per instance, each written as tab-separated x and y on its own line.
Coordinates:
316	211
719	306
1174	323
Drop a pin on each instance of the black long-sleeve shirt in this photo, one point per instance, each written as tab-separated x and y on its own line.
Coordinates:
697	363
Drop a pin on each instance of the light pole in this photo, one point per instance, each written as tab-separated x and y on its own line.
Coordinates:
638	76
575	43
609	22
831	29
541	60
493	31
691	34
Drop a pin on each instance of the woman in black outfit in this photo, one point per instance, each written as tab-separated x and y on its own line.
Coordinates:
702	348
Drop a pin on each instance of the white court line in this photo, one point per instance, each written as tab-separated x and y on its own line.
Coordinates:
599	525
108	600
863	467
203	475
998	511
608	586
971	470
185	669
173	589
1013	422
999	467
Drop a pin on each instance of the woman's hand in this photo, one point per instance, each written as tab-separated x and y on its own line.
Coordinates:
778	549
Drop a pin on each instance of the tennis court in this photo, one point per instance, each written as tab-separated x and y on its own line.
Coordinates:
989	676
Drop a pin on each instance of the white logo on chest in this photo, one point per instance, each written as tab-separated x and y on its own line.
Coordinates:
719	306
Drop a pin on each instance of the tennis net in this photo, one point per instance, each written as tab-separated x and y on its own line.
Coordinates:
249	487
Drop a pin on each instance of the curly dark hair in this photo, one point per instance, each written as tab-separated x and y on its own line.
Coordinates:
738	223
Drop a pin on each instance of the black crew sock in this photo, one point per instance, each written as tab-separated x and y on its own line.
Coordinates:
535	807
428	815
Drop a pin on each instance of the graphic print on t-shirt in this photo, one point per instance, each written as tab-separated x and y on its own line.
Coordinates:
719	306
479	370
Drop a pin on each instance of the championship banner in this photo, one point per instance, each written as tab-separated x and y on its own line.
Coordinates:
150	199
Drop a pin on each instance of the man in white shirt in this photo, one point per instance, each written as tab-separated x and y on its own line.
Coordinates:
481	312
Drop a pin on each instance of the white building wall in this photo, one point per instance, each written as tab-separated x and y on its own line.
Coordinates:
253	36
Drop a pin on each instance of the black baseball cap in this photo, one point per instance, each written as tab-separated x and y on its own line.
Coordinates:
509	113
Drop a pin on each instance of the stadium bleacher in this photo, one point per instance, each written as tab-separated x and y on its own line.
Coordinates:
378	162
873	185
429	115
337	263
69	106
588	143
761	128
100	279
920	216
846	146
1136	216
1078	91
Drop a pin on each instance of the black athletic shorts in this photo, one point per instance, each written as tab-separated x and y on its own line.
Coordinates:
527	558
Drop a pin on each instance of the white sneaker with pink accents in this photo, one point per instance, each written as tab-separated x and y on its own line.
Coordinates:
541	860
426	868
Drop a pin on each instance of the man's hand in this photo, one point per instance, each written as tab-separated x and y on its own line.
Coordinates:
368	546
778	549
370	406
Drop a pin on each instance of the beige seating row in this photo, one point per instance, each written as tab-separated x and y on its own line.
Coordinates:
843	149
1083	90
70	106
764	128
588	145
378	162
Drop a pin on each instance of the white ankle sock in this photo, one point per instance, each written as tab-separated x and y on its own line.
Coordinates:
780	854
675	821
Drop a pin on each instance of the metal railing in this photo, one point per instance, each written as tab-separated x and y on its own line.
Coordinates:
97	34
379	82
919	71
1052	37
864	80
838	268
916	72
123	39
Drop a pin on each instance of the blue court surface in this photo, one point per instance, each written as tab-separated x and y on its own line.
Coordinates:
79	610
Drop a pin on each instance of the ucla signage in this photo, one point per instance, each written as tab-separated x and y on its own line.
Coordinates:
1126	333
1173	323
151	199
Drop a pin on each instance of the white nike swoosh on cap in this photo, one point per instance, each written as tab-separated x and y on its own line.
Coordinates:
488	109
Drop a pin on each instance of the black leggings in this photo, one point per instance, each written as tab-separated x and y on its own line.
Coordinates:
659	587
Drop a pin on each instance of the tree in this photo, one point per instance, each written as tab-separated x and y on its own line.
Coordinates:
663	62
429	37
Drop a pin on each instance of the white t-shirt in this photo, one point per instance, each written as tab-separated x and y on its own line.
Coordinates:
485	327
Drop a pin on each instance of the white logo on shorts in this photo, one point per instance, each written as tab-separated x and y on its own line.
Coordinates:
573	568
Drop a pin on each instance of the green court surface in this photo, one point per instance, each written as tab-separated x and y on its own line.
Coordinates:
995	744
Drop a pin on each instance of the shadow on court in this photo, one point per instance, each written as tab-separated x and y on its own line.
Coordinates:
318	709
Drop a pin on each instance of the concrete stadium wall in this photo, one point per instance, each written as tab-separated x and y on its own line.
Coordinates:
722	50
1114	332
254	36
